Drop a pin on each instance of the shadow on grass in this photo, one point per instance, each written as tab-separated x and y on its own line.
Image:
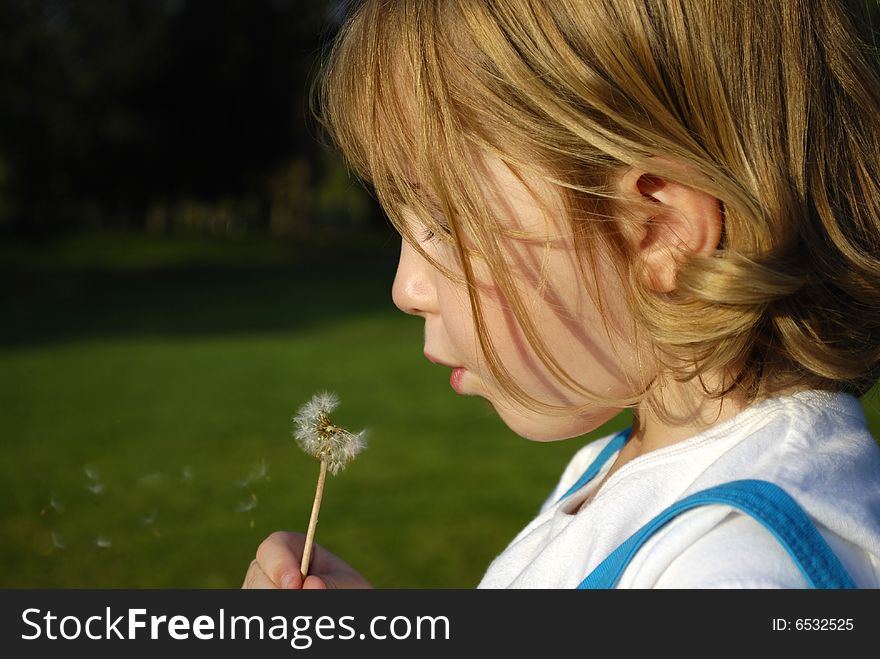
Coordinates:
54	304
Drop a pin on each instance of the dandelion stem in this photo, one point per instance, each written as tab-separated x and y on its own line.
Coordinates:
313	520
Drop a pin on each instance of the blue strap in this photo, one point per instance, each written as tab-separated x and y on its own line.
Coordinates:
610	449
767	503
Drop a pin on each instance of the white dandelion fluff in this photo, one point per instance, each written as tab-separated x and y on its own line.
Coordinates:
333	445
54	504
260	472
321	439
57	543
102	543
95	487
248	505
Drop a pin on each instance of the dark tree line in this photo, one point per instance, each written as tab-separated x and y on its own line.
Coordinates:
113	112
168	113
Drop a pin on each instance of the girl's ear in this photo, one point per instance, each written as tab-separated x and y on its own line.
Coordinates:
676	222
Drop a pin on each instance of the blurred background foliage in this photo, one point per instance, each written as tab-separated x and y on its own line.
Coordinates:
184	263
167	115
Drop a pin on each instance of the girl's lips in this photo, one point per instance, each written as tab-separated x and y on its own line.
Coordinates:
457	372
455	379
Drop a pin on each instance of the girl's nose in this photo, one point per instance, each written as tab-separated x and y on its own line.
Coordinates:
413	291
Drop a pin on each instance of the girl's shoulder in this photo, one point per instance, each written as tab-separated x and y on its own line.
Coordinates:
816	447
716	547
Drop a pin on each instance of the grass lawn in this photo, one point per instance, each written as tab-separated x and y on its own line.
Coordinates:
146	413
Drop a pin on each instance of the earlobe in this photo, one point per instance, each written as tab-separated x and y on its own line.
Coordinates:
676	222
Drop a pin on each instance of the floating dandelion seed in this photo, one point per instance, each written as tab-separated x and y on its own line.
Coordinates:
102	543
56	541
333	445
56	505
260	472
149	519
53	504
95	488
186	474
249	505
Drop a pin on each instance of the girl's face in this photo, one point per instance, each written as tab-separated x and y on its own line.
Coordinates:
557	300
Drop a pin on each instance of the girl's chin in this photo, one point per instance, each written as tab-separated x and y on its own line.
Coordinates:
539	427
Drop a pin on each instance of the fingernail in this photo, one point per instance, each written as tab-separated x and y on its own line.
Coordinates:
287	581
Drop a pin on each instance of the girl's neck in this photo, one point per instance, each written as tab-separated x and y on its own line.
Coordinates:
690	412
651	432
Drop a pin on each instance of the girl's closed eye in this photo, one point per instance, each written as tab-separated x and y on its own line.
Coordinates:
429	235
438	230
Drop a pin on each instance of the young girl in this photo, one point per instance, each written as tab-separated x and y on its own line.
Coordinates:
669	206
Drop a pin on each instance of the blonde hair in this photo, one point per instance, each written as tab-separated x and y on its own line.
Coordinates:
773	106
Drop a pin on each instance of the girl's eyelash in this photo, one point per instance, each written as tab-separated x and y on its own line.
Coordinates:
428	235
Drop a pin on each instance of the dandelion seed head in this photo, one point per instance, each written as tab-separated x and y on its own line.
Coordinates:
319	437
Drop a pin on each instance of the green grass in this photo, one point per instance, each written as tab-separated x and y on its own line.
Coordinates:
172	384
175	385
173	426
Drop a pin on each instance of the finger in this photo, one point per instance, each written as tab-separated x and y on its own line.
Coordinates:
256	578
313	582
279	558
325	562
334	581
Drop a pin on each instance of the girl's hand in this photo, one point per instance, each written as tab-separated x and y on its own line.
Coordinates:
278	560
